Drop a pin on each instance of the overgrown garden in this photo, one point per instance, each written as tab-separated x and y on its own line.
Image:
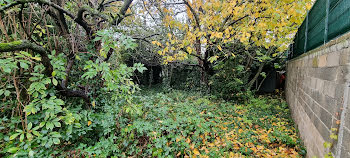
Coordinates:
137	78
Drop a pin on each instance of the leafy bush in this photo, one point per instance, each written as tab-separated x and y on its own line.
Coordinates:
230	80
41	117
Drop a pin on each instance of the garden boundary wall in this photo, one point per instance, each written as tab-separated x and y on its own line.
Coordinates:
317	91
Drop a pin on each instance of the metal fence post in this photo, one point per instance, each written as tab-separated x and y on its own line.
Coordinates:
306	30
325	38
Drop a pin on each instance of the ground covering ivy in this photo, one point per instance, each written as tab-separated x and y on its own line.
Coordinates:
183	124
162	124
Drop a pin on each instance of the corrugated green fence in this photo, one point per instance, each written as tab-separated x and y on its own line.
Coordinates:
326	20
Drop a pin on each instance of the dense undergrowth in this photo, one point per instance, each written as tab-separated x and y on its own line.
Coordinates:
178	124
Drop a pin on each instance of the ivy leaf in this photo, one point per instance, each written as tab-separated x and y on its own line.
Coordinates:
31	153
49	125
42	124
56	141
333	136
327	144
57	124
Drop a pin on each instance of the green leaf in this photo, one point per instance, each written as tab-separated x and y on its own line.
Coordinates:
7	93
19	131
327	144
57	124
21	137
33	78
56	141
36	128
31	153
36	133
29	136
30	125
56	134
23	65
49	125
53	73
333	136
54	81
212	59
42	124
12	137
13	150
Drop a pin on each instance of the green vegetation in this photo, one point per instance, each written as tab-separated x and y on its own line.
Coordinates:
181	123
70	76
167	124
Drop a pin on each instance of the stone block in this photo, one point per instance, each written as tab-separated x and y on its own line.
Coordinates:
322	61
312	82
315	62
323	130
319	85
327	73
333	59
326	118
330	104
339	92
344	57
329	89
334	48
341	72
317	111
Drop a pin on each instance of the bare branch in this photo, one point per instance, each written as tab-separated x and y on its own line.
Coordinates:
24	44
194	13
122	12
234	22
138	38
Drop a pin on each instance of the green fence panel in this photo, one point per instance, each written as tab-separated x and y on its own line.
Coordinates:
326	20
333	3
339	19
316	36
316	26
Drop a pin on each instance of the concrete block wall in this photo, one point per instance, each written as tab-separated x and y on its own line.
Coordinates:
315	89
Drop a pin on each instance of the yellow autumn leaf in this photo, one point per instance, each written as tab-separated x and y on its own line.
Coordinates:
89	123
219	47
196	152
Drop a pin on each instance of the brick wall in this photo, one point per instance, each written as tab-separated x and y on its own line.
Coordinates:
315	89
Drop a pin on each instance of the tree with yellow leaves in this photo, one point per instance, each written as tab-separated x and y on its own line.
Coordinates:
206	30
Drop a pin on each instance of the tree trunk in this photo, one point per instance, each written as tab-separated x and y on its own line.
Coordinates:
251	82
150	77
204	66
